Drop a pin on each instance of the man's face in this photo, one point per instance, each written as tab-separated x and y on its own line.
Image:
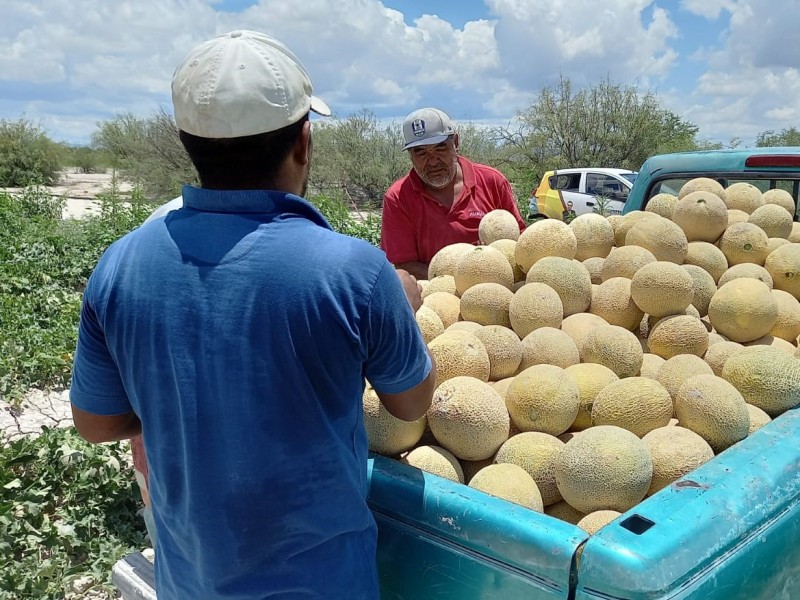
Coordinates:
436	164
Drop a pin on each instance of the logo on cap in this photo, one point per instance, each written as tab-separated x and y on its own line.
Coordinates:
418	127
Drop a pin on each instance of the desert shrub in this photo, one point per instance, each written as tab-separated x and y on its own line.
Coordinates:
27	155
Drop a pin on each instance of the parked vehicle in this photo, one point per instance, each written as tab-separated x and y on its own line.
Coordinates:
765	168
578	190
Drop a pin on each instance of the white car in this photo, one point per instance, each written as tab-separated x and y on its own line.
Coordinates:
583	189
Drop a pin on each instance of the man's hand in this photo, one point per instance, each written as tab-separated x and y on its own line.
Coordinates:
412	289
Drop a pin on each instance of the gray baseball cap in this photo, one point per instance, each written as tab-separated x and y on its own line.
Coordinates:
426	126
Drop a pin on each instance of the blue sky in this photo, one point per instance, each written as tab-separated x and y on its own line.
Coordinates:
729	66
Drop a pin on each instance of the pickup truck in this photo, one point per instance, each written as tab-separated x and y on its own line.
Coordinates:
578	190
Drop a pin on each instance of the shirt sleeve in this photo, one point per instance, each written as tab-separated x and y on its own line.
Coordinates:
398	235
398	358
96	382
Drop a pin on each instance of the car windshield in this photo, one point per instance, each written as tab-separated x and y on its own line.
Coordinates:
630	176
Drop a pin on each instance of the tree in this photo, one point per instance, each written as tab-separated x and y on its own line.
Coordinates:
786	137
27	155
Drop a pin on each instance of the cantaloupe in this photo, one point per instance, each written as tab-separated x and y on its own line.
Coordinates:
498	224
471	326
444	261
579	325
605	467
569	278
783	264
501	386
446	305
714	409
704	184
637	404
775	342
543	398
774	243
615	348
678	334
676	451
758	418
743	310
430	324
548	345
564	512
459	353
612	300
594	234
471	467
590	378
704	288
708	257
508	248
662	288
482	264
651	364
743	196
535	452
767	378
737	216
787	327
487	304
774	220
751	270
665	239
441	283
794	237
744	243
662	204
781	198
435	460
595	267
595	521
676	370
386	433
702	215
509	482
625	261
717	354
468	418
626	222
535	305
547	237
504	349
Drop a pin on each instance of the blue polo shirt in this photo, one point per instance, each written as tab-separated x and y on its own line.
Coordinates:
240	329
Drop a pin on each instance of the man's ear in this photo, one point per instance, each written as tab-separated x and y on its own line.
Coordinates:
455	141
302	147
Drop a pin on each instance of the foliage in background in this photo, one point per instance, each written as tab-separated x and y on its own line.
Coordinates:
349	219
44	265
85	159
68	510
785	137
27	155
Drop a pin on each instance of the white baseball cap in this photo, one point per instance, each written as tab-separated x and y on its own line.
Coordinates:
426	126
241	83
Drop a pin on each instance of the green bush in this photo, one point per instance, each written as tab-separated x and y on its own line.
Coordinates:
68	509
27	155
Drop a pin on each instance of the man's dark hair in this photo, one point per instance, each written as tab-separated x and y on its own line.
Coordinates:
249	162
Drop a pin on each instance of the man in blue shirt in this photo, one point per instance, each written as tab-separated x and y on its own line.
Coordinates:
235	334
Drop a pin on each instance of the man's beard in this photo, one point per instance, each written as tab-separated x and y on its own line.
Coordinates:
442	179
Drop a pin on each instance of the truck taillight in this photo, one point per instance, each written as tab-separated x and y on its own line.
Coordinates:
773	160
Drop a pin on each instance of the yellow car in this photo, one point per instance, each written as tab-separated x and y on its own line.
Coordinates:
564	194
545	201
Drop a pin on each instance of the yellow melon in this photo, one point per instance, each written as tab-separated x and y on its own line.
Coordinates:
774	243
464	326
744	243
676	451
787	326
535	305
504	349
743	310
429	323
775	342
751	270
435	460
779	197
708	257
482	264
612	300
704	288
665	239
548	345
594	234
595	521
508	248
536	453
509	482
637	404
737	216
440	283
767	378
783	264
487	304
595	267
624	225
386	433
468	418
579	325
662	288
702	216
501	386
446	305
605	467
702	184
569	278
743	196
676	370
714	409
662	204
651	363
543	398
459	353
591	378
758	418
615	348
794	237
564	512
444	261
774	220
498	224
471	467
717	354
547	237
678	334
624	261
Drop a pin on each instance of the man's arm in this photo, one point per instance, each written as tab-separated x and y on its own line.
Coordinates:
509	202
416	268
414	403
101	428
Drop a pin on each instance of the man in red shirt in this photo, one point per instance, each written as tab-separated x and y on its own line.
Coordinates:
442	199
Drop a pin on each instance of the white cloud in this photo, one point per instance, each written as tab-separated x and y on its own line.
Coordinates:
709	9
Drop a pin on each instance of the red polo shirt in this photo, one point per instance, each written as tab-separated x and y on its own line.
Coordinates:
415	226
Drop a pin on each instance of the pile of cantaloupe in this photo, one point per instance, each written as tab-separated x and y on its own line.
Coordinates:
584	367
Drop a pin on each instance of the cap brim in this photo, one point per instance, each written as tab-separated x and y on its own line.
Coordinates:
436	139
319	107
